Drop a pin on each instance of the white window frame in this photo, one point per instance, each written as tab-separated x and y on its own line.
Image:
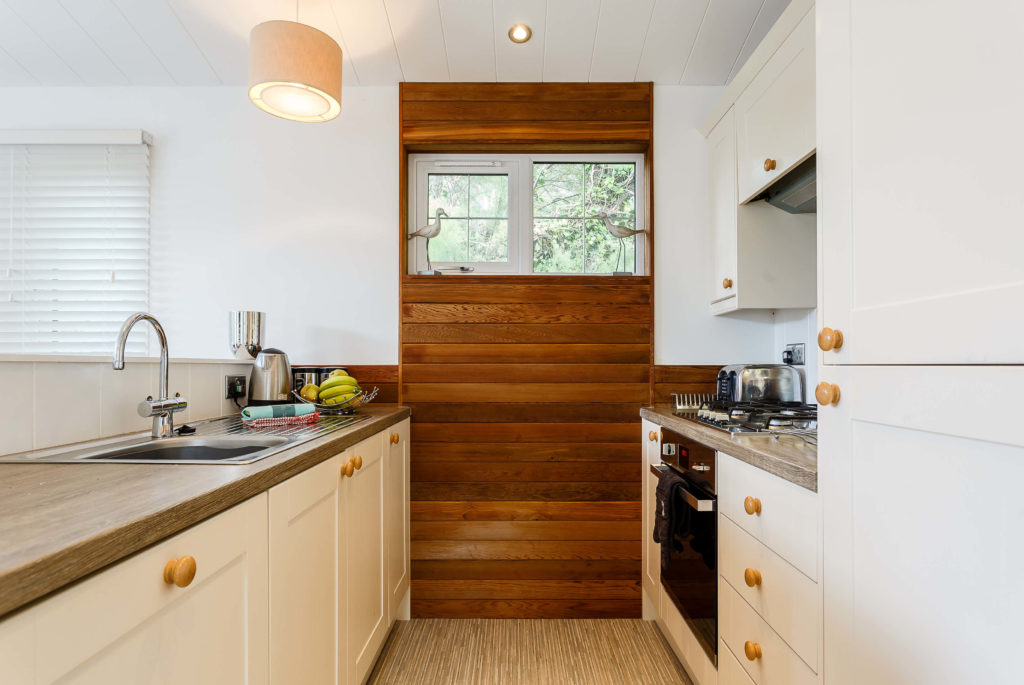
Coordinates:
520	221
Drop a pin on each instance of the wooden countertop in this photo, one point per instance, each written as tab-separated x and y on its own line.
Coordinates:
62	522
788	458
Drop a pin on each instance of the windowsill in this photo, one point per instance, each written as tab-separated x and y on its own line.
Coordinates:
579	278
95	359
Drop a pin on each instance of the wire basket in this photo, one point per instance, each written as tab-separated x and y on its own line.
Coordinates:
341	408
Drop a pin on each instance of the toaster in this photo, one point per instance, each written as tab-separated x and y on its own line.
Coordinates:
760	383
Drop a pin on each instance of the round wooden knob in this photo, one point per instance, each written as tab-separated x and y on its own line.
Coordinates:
394	438
829	339
652	436
752	577
752	650
769	164
358	461
348	469
180	572
752	505
827	393
726	283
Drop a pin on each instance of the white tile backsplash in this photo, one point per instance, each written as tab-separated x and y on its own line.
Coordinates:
45	404
120	394
17	395
68	403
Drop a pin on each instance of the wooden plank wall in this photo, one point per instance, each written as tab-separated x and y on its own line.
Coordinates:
526	390
526	491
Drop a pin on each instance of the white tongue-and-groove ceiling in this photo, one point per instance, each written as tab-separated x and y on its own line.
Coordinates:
204	42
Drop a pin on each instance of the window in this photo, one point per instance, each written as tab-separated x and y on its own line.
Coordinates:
74	244
528	213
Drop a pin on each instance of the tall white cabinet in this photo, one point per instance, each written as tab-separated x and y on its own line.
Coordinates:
922	252
922	273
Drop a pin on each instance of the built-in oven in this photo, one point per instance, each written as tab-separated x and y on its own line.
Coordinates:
689	565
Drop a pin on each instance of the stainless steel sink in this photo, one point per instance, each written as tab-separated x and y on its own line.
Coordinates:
219	441
192	450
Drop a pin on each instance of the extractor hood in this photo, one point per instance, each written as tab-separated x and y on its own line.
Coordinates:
797	191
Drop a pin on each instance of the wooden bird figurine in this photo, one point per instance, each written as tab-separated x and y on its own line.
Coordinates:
431	230
620	233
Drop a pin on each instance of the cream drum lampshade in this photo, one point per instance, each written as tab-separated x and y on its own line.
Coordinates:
294	71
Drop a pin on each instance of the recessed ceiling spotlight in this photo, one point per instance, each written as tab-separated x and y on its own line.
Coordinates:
520	33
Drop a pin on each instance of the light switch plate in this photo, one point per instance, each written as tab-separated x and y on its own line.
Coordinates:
797	351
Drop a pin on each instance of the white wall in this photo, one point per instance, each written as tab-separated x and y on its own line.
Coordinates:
254	212
685	332
799	326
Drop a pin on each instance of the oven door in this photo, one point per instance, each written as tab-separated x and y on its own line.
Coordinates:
689	567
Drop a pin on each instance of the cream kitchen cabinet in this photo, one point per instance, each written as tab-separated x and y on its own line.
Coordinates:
922	521
305	578
128	625
919	182
723	208
763	257
364	613
396	520
775	114
329	557
652	550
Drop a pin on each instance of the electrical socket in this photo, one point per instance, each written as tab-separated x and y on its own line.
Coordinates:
234	386
794	354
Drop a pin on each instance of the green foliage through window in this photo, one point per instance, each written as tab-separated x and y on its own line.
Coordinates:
569	235
476	229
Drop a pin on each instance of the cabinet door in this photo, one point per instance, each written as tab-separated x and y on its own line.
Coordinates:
396	509
365	607
126	625
722	209
919	182
651	549
922	521
775	113
304	580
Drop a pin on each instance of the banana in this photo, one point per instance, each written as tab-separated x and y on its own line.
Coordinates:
335	381
340	398
337	391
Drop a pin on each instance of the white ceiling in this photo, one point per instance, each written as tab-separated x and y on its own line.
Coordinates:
203	42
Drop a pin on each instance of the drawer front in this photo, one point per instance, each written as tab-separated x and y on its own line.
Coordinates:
788	519
729	670
125	624
777	664
781	595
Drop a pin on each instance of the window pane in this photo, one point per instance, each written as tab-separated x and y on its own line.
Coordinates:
610	188
558	246
603	250
450	192
488	240
450	244
558	190
488	196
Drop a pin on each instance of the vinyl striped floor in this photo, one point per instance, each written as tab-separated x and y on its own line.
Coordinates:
528	652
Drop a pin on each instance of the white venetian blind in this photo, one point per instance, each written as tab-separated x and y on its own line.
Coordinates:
74	246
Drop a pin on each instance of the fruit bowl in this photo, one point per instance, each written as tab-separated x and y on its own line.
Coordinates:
346	407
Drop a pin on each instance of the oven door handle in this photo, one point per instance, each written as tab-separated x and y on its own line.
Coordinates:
695	501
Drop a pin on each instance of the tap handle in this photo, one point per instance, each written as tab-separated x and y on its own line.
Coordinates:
150	407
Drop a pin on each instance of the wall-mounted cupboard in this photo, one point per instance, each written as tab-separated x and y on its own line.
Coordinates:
764	127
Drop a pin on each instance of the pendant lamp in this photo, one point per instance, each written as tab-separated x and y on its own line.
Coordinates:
294	71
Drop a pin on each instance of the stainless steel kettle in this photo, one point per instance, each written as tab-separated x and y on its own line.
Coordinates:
271	378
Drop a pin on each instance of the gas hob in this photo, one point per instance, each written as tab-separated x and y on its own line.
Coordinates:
757	417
